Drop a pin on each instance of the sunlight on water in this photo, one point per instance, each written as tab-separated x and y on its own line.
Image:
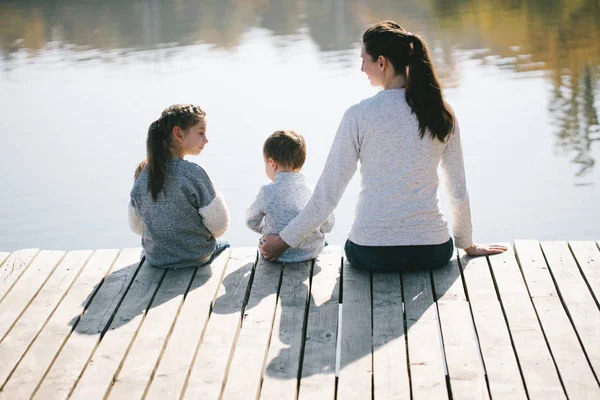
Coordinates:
81	82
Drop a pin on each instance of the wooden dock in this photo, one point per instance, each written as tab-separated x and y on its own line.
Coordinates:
99	324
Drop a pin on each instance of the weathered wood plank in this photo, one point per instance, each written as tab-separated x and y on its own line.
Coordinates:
13	267
587	255
318	365
16	301
390	365
73	356
576	296
25	330
494	338
541	378
425	354
47	344
282	365
134	375
3	256
463	357
211	363
247	364
104	364
175	363
355	380
573	367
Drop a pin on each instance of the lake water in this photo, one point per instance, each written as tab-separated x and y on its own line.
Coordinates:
81	81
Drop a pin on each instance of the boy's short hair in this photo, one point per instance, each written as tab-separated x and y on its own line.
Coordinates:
287	148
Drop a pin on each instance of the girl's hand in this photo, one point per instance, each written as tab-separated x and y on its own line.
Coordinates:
484	249
271	247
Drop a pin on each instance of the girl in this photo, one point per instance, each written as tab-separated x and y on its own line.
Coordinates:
174	206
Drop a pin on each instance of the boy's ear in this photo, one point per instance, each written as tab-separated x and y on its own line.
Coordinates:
177	134
273	163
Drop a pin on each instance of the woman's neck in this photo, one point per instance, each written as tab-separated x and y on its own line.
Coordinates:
395	82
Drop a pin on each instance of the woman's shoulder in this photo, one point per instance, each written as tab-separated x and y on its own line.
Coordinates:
357	109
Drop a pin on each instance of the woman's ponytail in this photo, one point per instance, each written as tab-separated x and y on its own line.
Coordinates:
424	93
409	55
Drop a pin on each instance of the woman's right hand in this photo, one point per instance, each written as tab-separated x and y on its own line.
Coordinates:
484	249
271	247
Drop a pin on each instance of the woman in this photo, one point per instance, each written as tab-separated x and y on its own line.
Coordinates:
400	136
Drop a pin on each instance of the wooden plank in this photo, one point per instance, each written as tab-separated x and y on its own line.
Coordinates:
538	369
211	362
247	364
190	325
47	344
425	354
318	365
3	256
587	255
83	340
133	377
25	330
283	359
103	366
13	267
494	338
463	357
356	358
16	301
576	374
390	364
577	297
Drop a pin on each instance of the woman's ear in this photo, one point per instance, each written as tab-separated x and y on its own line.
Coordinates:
177	134
382	62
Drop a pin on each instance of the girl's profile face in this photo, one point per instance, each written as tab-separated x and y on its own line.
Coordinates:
194	139
371	68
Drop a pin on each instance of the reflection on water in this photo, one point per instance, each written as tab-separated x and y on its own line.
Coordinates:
551	47
557	37
576	117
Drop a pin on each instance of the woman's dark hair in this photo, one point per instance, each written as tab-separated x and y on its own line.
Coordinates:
159	142
409	55
288	148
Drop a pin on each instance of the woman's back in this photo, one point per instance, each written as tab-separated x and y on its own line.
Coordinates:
398	201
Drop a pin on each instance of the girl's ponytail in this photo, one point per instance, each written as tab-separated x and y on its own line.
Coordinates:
159	146
424	93
158	155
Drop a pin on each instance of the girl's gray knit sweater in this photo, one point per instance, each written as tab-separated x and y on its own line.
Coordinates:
179	228
398	202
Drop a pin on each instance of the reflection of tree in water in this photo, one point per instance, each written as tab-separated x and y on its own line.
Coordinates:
572	106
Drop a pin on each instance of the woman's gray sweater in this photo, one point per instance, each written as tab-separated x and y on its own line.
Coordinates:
398	202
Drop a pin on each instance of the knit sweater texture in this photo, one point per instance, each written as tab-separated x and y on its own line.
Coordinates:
179	228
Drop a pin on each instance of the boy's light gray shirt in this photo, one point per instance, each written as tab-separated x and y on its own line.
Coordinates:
277	204
398	203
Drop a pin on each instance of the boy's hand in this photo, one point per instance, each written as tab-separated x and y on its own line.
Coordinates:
271	247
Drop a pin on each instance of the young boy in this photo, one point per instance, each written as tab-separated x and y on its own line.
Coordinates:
279	202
